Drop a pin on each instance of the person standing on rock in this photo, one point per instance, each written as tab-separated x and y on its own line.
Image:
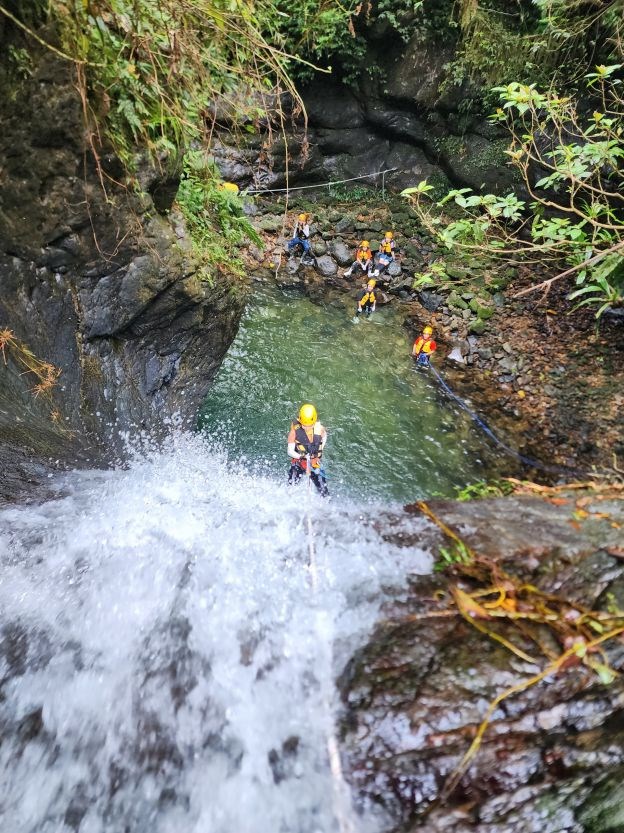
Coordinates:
424	347
363	260
367	300
386	253
306	441
301	237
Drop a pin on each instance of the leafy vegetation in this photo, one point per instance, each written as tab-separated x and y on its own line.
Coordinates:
572	167
483	489
214	217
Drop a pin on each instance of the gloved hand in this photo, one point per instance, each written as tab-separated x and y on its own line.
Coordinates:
358	312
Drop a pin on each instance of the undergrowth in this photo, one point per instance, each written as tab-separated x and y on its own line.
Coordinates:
214	217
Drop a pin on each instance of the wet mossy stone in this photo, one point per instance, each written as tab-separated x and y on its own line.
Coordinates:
478	327
456	301
346	224
477	306
270	223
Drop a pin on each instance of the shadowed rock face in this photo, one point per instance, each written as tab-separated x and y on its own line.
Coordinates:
102	285
552	758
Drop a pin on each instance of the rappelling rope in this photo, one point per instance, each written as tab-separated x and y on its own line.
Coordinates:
529	461
335	765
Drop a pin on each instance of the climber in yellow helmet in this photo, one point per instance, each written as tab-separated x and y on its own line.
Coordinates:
424	347
386	253
367	299
363	260
306	441
301	237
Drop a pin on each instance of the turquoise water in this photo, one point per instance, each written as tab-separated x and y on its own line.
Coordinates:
392	434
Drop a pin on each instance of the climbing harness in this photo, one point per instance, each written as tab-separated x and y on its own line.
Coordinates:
528	461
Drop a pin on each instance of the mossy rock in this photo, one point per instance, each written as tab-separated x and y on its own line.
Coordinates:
271	224
477	306
477	327
456	301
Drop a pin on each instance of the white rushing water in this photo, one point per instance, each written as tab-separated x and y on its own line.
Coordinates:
165	663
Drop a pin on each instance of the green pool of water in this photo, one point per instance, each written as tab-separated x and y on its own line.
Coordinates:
392	434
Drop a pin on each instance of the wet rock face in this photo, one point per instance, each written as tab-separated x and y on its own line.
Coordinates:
552	757
102	285
405	126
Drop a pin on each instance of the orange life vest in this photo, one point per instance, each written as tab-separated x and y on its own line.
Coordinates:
424	345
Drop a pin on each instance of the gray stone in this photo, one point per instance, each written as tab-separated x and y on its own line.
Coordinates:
346	224
326	266
319	247
341	252
430	300
394	269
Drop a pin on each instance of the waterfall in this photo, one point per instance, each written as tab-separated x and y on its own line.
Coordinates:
165	664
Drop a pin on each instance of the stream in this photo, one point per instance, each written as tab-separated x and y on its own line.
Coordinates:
393	436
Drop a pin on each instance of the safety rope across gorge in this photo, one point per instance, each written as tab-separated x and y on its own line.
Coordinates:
528	461
318	184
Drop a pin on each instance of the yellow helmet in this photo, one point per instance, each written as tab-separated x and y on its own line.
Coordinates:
371	284
302	217
307	414
389	235
228	186
364	244
427	331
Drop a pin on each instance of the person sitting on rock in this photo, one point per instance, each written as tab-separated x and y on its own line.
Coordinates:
367	299
306	441
363	260
424	347
386	253
301	237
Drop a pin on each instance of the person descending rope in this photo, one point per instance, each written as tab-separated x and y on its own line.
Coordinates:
363	260
306	441
424	347
301	237
386	254
367	299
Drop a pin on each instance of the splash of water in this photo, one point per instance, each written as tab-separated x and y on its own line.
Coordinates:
165	665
